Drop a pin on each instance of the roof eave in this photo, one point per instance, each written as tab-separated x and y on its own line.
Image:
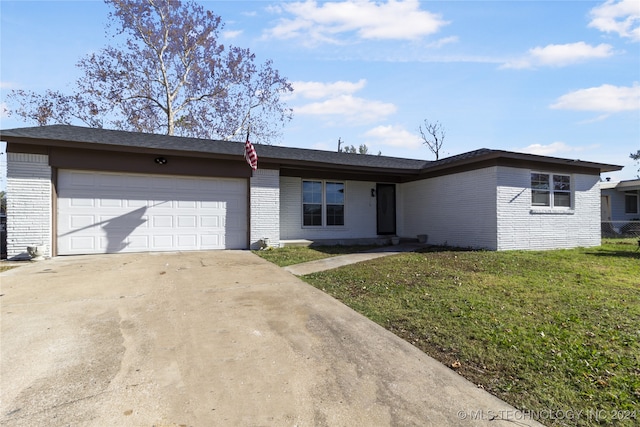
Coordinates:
496	155
603	167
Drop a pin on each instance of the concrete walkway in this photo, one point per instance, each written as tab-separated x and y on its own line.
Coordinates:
221	338
342	260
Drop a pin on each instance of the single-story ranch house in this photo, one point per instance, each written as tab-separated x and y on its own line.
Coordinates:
78	190
620	206
620	200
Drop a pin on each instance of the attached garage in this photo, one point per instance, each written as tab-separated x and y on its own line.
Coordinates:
102	212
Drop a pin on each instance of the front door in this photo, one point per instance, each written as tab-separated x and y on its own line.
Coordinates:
386	209
605	209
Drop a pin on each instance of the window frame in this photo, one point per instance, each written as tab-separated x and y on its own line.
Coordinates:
554	189
328	202
632	194
312	192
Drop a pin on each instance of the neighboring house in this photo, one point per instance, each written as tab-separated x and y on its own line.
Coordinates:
82	191
620	205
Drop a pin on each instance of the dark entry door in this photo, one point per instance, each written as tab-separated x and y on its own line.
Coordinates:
386	208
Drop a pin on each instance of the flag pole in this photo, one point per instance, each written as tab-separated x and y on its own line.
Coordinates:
250	152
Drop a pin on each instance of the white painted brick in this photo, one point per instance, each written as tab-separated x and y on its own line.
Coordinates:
265	207
522	227
457	209
360	213
29	210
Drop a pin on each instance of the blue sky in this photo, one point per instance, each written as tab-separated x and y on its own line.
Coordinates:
558	78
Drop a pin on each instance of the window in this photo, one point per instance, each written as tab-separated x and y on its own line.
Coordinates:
312	202
550	190
322	203
631	203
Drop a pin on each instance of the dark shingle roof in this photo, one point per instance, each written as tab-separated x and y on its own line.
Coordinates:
105	138
64	135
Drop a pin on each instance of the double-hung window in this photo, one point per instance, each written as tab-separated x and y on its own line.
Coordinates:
631	203
322	203
550	190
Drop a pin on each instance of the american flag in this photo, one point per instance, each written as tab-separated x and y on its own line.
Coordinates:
250	154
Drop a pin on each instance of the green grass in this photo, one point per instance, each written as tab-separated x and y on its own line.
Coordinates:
545	331
290	255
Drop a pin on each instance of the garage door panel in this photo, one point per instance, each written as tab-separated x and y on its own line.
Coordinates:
209	221
81	221
211	205
186	204
233	222
138	242
76	180
211	240
82	202
186	221
187	240
162	221
163	242
110	203
82	242
148	213
135	203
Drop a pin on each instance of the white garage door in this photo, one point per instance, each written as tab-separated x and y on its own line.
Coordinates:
107	213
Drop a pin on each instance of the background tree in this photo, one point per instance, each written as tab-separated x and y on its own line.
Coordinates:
636	156
169	76
351	149
433	136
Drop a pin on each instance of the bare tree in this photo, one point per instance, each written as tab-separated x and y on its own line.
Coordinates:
433	136
171	75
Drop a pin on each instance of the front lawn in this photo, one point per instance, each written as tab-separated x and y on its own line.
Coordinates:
545	331
290	255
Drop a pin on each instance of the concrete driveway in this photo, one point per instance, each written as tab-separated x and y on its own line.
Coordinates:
218	338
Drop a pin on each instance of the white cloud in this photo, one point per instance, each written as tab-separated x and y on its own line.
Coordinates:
621	17
391	20
8	85
443	42
555	148
560	55
394	136
605	98
231	34
348	109
596	119
317	90
336	103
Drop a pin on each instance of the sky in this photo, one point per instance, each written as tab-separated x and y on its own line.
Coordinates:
556	78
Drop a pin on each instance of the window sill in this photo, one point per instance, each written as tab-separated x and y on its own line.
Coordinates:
551	211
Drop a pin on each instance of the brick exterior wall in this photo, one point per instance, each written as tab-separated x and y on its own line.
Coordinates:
360	213
457	209
521	226
488	208
29	211
265	208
